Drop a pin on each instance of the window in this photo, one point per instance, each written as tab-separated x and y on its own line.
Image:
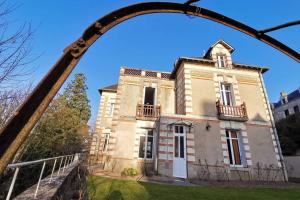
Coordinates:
111	109
233	148
296	109
149	97
284	101
221	58
106	140
179	142
146	145
226	94
286	112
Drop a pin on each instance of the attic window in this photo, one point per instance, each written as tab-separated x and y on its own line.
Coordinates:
284	100
221	58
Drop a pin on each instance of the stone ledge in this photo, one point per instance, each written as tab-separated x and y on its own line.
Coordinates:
61	187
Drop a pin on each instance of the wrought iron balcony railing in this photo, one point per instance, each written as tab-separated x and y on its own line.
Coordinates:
147	111
237	113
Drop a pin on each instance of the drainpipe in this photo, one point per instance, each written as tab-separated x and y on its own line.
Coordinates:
274	128
157	146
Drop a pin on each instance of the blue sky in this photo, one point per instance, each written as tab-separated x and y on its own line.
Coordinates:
155	41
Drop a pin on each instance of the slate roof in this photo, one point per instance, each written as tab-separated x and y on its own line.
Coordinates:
290	97
209	61
111	88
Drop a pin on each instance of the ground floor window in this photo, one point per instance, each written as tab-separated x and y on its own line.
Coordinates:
146	145
234	147
106	140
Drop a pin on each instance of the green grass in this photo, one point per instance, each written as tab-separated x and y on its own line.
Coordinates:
113	189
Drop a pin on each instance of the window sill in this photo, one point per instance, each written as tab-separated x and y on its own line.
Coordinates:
147	159
239	168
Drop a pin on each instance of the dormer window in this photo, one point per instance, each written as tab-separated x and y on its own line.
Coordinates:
283	101
221	58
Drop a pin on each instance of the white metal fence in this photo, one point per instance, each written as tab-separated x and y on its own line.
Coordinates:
63	161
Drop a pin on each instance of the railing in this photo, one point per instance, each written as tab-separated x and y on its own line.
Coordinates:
64	162
226	112
147	111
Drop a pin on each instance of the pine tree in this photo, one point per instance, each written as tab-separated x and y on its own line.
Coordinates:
76	98
58	131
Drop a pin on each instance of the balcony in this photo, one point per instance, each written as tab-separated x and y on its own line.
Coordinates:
145	111
235	113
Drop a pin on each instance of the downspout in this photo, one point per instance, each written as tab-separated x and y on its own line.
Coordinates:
157	146
274	128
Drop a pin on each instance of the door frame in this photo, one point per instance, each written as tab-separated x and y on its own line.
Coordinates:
185	150
155	94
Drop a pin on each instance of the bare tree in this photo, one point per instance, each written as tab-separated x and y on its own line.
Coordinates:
15	48
15	52
9	101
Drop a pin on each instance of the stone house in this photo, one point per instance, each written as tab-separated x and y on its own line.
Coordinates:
288	104
208	118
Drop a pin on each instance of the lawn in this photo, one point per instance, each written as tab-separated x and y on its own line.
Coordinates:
113	189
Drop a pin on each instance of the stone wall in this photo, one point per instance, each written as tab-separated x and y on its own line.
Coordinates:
292	166
71	184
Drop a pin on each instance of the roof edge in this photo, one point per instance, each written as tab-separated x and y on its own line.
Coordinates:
111	88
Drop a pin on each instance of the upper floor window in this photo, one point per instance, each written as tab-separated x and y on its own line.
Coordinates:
221	58
296	109
284	100
146	145
234	147
111	109
149	96
106	140
226	94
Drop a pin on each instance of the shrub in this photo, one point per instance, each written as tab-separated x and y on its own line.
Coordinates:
129	172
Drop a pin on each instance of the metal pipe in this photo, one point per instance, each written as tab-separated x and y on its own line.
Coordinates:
72	159
274	28
11	187
40	178
32	162
53	170
65	163
17	167
68	163
60	165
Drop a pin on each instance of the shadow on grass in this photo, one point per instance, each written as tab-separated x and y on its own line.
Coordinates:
112	189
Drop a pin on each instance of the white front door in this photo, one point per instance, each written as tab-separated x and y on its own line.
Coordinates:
179	156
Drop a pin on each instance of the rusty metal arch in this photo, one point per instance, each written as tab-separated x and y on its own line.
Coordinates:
24	119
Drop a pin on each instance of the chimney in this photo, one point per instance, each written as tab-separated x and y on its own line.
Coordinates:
283	94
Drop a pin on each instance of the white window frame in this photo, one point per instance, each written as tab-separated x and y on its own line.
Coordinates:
231	148
111	109
221	59
180	134
223	92
284	100
146	145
